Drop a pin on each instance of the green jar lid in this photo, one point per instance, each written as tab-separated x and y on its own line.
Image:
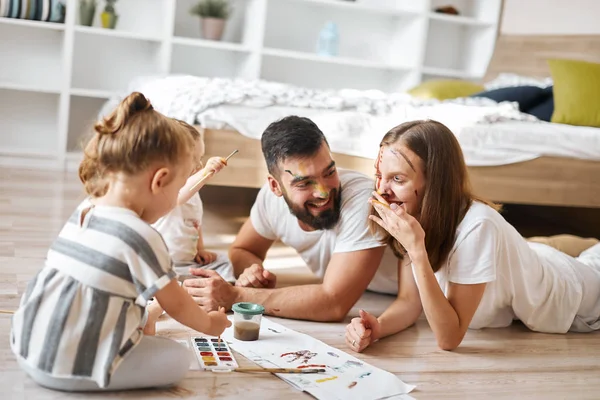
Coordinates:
248	308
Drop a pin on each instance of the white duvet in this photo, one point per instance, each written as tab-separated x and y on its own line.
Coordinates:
354	121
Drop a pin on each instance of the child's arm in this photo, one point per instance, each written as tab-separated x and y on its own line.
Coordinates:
180	306
202	256
213	166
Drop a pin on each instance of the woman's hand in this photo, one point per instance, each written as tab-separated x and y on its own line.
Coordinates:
400	224
362	331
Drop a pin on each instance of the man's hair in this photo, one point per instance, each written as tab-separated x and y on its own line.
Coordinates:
290	137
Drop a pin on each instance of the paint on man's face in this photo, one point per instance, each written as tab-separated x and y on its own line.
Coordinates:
318	188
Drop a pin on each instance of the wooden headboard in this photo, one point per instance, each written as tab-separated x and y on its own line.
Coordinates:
527	54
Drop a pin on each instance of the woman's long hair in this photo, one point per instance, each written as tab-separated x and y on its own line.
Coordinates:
447	194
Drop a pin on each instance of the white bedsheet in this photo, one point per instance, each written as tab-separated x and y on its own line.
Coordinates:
359	134
354	121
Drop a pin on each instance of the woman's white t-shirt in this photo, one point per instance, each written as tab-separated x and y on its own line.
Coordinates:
532	282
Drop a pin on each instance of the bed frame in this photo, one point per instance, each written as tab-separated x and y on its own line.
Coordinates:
550	181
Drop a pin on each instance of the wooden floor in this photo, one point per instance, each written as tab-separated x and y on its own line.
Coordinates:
501	363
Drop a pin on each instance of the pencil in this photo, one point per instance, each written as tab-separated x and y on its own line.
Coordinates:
283	370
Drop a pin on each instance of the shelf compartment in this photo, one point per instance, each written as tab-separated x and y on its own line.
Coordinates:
462	48
319	75
189	26
83	113
470	11
116	33
29	123
31	58
143	19
32	24
212	62
115	68
378	39
376	7
299	55
457	19
210	44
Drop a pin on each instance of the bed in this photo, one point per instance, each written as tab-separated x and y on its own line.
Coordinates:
550	180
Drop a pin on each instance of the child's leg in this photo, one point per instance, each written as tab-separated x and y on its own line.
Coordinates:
154	362
223	267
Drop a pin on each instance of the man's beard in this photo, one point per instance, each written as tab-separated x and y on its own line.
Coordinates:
325	220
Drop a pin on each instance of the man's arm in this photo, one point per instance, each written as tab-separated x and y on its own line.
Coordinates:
248	248
347	277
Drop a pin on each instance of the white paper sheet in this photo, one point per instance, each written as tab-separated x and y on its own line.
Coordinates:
347	377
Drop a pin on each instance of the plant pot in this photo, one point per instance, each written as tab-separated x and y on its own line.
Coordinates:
109	20
212	28
86	13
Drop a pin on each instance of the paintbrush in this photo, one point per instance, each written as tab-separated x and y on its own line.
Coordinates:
205	177
283	370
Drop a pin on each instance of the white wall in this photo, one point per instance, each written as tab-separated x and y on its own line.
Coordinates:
551	17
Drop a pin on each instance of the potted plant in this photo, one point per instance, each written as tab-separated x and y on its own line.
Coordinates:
87	10
213	14
109	16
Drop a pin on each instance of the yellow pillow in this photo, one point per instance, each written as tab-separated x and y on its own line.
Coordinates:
576	92
443	89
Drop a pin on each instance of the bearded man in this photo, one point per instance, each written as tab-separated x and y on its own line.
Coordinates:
318	210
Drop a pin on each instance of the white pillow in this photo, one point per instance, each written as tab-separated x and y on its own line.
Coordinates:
511	80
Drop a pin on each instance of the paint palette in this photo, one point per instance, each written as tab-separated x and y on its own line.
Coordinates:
213	355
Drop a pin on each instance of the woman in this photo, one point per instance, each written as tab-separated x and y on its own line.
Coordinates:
459	261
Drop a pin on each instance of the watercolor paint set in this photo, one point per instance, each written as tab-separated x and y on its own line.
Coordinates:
213	354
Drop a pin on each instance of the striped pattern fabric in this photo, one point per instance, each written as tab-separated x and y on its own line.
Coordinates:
35	10
82	312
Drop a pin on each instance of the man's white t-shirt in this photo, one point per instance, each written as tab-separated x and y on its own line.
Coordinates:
179	229
272	219
532	282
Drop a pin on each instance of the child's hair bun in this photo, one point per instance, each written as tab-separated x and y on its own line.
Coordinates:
134	103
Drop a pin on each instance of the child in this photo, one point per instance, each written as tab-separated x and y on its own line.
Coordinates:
79	324
182	227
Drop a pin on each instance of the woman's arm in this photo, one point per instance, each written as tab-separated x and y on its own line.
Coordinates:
450	317
401	314
406	309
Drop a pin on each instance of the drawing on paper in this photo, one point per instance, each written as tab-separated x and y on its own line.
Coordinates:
330	378
305	355
345	376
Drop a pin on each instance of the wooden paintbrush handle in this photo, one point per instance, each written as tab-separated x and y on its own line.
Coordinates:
283	370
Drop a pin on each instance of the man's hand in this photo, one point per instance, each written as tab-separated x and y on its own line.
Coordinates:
209	290
258	277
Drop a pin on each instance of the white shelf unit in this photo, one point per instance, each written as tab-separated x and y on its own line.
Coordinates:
61	74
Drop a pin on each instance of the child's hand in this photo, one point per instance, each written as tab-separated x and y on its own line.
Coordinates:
214	165
205	257
218	322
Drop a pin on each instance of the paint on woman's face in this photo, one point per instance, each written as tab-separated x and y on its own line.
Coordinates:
378	171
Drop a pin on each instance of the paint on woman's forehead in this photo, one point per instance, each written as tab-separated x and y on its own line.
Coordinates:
378	171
